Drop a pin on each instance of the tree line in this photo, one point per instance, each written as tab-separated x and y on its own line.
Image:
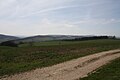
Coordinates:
13	44
91	38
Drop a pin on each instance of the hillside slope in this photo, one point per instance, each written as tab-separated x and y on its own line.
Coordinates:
7	38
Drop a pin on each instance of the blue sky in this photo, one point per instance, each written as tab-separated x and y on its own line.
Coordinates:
70	17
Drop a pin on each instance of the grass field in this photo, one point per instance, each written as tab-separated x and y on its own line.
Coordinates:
25	57
110	71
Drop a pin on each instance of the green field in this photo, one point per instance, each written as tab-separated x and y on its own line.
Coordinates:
110	71
25	57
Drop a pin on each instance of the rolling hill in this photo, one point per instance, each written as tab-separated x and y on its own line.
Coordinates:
7	38
40	38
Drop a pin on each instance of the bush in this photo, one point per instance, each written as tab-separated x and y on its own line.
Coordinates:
9	43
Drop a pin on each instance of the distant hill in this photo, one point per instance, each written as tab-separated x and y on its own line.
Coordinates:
4	38
39	38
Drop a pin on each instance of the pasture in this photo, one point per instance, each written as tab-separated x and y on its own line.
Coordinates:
41	54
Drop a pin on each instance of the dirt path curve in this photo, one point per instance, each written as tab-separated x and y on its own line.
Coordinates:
69	70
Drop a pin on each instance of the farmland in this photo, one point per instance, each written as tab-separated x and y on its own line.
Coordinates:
41	54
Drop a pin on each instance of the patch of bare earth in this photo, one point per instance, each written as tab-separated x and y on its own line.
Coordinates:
70	70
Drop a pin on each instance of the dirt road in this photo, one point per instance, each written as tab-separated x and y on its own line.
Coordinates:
69	70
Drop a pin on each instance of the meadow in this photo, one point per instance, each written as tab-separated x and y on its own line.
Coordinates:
110	71
41	54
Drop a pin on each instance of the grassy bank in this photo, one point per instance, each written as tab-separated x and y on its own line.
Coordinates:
108	72
42	54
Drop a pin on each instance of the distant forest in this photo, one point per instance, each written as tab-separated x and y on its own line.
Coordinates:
91	38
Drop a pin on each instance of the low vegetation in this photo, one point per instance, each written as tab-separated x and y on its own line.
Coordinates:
9	43
110	71
41	54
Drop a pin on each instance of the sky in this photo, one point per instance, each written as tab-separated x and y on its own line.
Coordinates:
60	17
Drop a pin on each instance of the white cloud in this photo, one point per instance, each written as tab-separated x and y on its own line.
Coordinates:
46	23
45	26
48	10
29	7
56	16
26	8
97	21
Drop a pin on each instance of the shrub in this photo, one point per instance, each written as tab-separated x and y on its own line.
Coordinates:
9	43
